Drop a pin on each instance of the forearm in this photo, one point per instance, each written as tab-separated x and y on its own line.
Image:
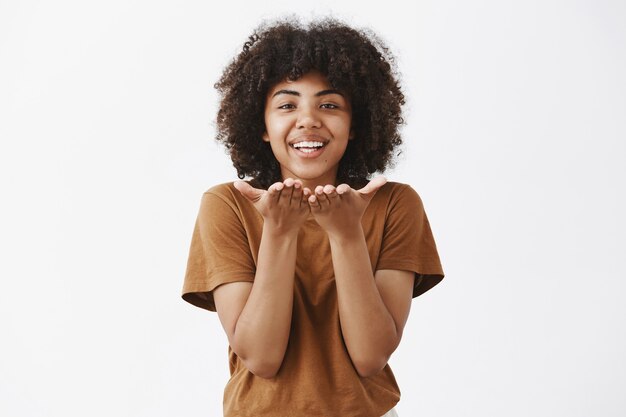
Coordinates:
368	328
262	329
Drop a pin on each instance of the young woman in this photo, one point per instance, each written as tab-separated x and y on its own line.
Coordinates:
310	265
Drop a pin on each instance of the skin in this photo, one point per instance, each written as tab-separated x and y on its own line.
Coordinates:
373	307
308	108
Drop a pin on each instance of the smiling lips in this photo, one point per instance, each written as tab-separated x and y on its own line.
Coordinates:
309	146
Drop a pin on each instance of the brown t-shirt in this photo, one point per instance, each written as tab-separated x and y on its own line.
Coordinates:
317	377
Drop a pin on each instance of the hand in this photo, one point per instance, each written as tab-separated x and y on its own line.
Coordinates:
339	210
283	205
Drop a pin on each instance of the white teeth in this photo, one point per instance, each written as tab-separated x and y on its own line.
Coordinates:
306	144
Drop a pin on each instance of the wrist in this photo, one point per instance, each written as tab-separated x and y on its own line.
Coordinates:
281	231
346	234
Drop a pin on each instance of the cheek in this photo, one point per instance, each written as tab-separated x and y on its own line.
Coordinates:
268	123
276	125
342	125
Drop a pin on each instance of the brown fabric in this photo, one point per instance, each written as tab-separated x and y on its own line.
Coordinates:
317	376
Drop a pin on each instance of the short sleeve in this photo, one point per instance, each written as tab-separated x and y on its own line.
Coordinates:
219	251
408	242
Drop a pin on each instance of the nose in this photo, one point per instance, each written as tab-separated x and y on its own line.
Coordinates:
308	118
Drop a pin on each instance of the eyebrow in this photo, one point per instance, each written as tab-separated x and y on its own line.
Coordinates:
318	94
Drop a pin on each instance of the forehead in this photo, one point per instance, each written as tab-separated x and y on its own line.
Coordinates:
310	83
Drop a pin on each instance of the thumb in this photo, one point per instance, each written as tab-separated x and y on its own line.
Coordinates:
248	191
374	185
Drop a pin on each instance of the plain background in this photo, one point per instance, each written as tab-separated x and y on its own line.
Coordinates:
514	140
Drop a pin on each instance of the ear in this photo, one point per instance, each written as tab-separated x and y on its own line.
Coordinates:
266	137
351	136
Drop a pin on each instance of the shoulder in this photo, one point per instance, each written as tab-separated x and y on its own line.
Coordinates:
227	192
397	192
393	199
225	198
394	187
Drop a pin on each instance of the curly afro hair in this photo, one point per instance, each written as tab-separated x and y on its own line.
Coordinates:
354	61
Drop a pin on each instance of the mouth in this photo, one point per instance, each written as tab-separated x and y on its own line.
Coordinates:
309	148
309	145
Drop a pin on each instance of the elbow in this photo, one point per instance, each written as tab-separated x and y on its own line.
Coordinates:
262	369
260	363
265	373
369	368
370	364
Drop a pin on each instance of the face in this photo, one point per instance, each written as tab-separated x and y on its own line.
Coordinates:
308	127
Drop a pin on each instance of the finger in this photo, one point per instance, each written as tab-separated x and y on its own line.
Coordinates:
343	189
248	191
296	197
275	190
287	191
331	194
374	185
313	202
322	199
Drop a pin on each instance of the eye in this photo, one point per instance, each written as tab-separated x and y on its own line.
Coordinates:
329	106
286	106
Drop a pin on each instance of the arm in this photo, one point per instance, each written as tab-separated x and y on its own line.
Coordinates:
257	316
373	310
